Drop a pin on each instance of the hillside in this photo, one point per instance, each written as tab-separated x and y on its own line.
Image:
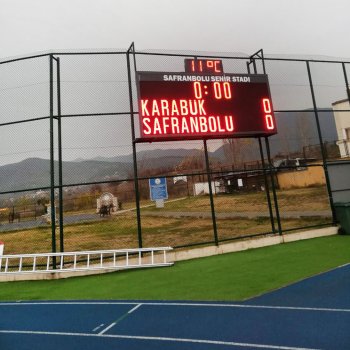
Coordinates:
35	172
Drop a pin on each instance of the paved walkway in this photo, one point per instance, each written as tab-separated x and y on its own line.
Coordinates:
72	219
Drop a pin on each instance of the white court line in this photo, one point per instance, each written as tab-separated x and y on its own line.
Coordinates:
107	328
180	340
183	304
98	327
115	322
135	308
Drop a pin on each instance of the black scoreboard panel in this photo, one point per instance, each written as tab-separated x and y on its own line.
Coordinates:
194	106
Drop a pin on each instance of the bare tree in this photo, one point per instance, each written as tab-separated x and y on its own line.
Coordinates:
235	150
304	129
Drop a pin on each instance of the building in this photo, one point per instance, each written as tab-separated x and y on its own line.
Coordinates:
341	110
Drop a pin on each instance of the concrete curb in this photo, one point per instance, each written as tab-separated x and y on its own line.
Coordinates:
250	244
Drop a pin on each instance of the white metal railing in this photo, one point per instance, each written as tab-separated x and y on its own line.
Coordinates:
85	260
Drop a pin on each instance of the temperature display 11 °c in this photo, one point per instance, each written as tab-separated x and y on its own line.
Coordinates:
174	106
203	66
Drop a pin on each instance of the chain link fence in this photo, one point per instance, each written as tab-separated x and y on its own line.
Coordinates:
73	178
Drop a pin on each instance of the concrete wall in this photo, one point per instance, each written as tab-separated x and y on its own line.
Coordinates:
313	175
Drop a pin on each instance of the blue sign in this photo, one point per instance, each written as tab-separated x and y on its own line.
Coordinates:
158	188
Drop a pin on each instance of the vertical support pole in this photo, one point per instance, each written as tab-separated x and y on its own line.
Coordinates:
254	65
320	138
258	54
136	182
273	186
60	175
346	81
263	61
267	187
52	169
248	67
210	193
348	94
134	56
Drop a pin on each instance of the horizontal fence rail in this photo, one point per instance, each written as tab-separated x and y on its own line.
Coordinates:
84	261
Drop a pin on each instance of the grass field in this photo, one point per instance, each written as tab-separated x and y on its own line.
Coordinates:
120	231
231	277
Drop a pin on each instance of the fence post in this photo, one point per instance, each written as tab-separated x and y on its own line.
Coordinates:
323	153
52	169
345	142
134	157
346	81
60	175
210	193
267	187
271	168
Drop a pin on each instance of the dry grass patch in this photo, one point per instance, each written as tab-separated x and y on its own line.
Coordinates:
312	198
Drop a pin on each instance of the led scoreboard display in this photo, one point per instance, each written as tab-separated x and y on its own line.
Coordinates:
180	106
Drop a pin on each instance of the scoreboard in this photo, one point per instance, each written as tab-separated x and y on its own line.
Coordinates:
203	102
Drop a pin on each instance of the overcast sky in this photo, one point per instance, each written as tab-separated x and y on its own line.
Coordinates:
298	27
316	27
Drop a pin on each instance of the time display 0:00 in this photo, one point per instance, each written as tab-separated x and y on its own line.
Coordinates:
220	90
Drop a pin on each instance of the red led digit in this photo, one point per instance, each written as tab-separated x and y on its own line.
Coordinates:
210	64
267	105
268	117
217	91
192	66
269	122
227	91
200	66
197	90
217	67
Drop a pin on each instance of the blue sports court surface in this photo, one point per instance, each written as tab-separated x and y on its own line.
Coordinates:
311	314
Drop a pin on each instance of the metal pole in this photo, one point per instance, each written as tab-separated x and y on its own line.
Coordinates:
134	56
258	54
52	169
263	61
254	65
248	67
60	176
273	186
346	81
134	157
323	153
267	187
210	193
